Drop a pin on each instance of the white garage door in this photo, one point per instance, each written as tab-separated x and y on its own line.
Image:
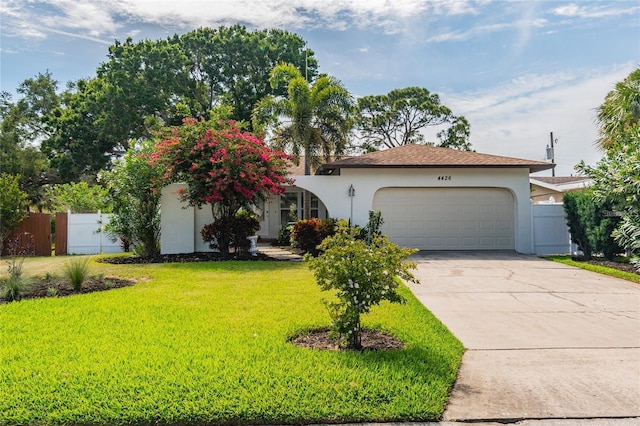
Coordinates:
448	218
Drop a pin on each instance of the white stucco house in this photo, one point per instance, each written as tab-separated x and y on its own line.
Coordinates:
431	198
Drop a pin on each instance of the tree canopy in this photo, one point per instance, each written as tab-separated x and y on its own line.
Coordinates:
231	65
399	117
619	114
87	132
616	177
23	125
79	197
145	85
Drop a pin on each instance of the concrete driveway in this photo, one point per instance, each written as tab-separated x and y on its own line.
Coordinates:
544	340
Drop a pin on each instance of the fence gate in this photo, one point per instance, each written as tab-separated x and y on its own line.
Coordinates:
62	222
31	236
550	233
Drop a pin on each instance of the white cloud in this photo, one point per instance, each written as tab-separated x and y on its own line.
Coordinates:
67	17
470	33
100	18
596	11
16	23
516	117
86	16
80	36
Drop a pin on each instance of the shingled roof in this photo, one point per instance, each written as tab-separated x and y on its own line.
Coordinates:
422	156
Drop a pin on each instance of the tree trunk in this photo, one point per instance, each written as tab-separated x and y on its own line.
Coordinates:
223	217
354	340
306	202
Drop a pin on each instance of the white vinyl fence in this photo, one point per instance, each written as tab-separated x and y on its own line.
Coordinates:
549	230
85	234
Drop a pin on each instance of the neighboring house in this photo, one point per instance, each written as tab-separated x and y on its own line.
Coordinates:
431	198
546	189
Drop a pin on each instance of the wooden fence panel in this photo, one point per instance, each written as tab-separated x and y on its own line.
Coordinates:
31	236
62	223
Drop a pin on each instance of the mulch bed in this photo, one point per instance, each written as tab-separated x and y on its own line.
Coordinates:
626	267
371	340
55	286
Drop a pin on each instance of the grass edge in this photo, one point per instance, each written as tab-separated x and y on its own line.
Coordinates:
566	260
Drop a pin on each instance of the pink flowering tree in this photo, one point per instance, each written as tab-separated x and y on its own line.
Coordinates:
223	167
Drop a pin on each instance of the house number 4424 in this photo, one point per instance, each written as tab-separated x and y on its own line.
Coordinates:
444	177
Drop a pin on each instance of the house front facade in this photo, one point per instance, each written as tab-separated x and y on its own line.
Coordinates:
431	198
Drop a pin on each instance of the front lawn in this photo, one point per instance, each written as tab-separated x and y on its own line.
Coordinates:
207	343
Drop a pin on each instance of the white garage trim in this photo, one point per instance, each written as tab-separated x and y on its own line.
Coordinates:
452	218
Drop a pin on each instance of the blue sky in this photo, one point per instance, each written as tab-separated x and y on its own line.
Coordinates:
517	70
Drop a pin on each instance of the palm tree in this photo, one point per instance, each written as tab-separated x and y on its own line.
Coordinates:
314	118
620	112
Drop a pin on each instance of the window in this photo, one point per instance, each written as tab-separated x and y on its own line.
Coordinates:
315	203
290	207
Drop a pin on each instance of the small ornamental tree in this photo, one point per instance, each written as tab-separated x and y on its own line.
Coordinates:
136	202
222	167
362	275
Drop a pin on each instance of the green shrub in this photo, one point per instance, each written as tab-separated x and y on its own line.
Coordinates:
628	234
362	275
591	224
12	287
245	225
77	271
235	231
284	235
309	233
373	226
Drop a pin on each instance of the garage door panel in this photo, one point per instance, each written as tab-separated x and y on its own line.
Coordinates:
469	210
469	225
434	225
504	226
448	218
399	225
451	225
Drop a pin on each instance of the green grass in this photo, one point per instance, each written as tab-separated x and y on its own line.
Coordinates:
629	276
207	343
77	271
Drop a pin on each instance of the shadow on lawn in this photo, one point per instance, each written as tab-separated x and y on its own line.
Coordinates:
425	367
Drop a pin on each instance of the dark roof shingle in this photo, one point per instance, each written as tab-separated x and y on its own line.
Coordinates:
423	156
